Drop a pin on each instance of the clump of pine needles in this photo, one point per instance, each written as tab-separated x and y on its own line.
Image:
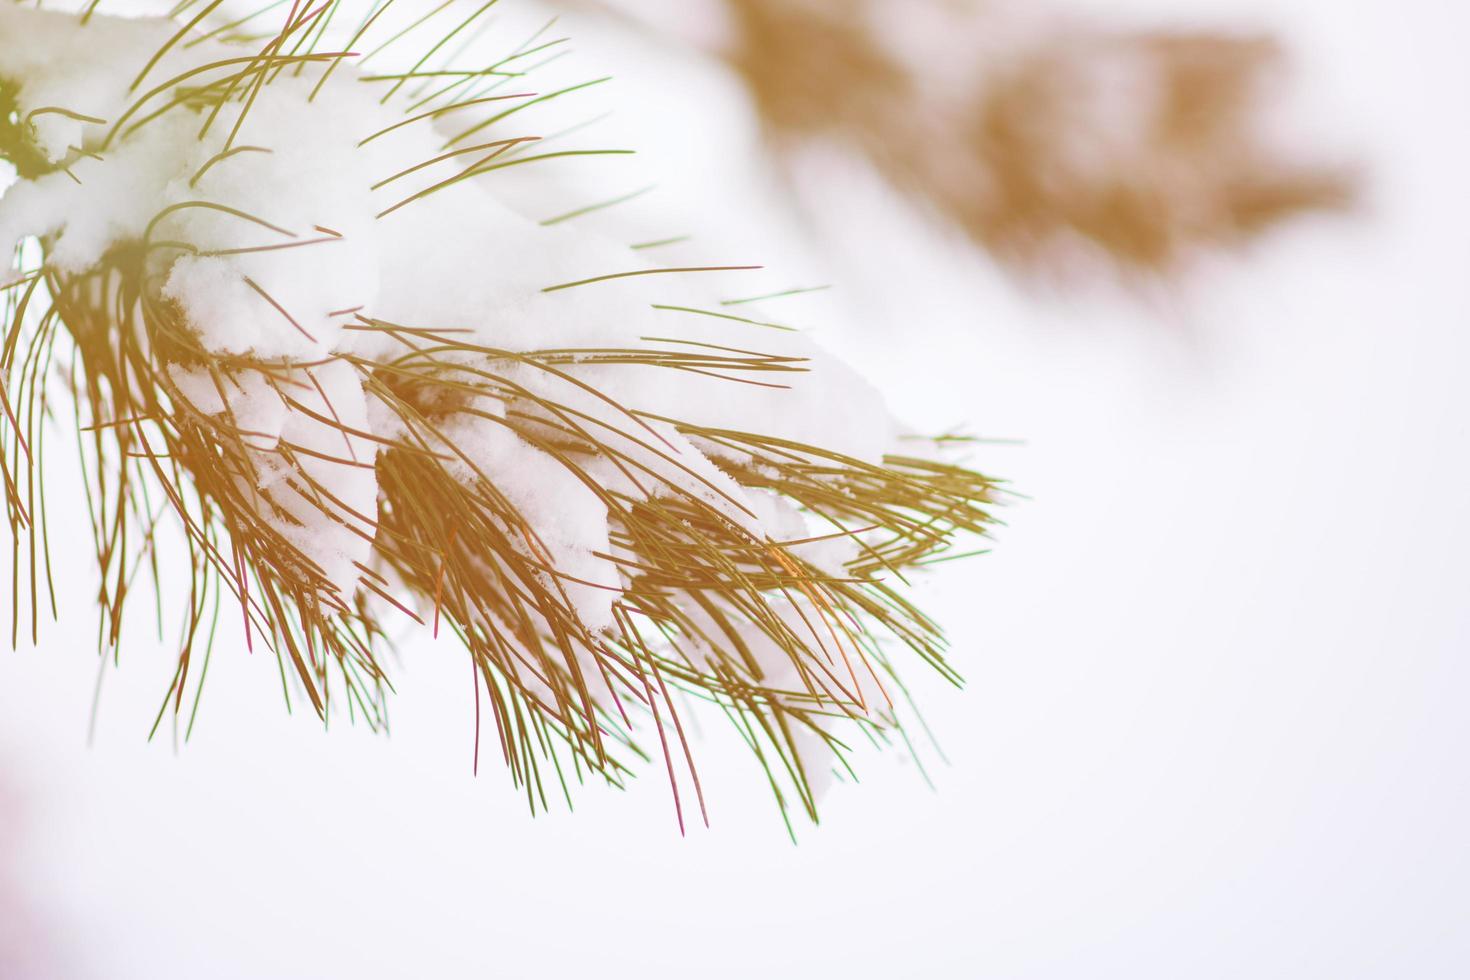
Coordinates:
707	608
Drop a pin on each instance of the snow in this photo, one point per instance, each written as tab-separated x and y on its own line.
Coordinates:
40	52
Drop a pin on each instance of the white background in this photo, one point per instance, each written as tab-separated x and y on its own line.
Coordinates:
1215	722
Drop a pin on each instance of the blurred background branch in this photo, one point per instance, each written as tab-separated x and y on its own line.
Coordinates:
1051	141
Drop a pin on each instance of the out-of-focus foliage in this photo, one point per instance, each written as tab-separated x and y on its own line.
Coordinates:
1041	136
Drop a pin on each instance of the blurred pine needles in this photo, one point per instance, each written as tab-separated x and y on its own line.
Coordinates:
1141	147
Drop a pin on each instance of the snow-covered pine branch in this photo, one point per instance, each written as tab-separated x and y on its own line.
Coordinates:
308	317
